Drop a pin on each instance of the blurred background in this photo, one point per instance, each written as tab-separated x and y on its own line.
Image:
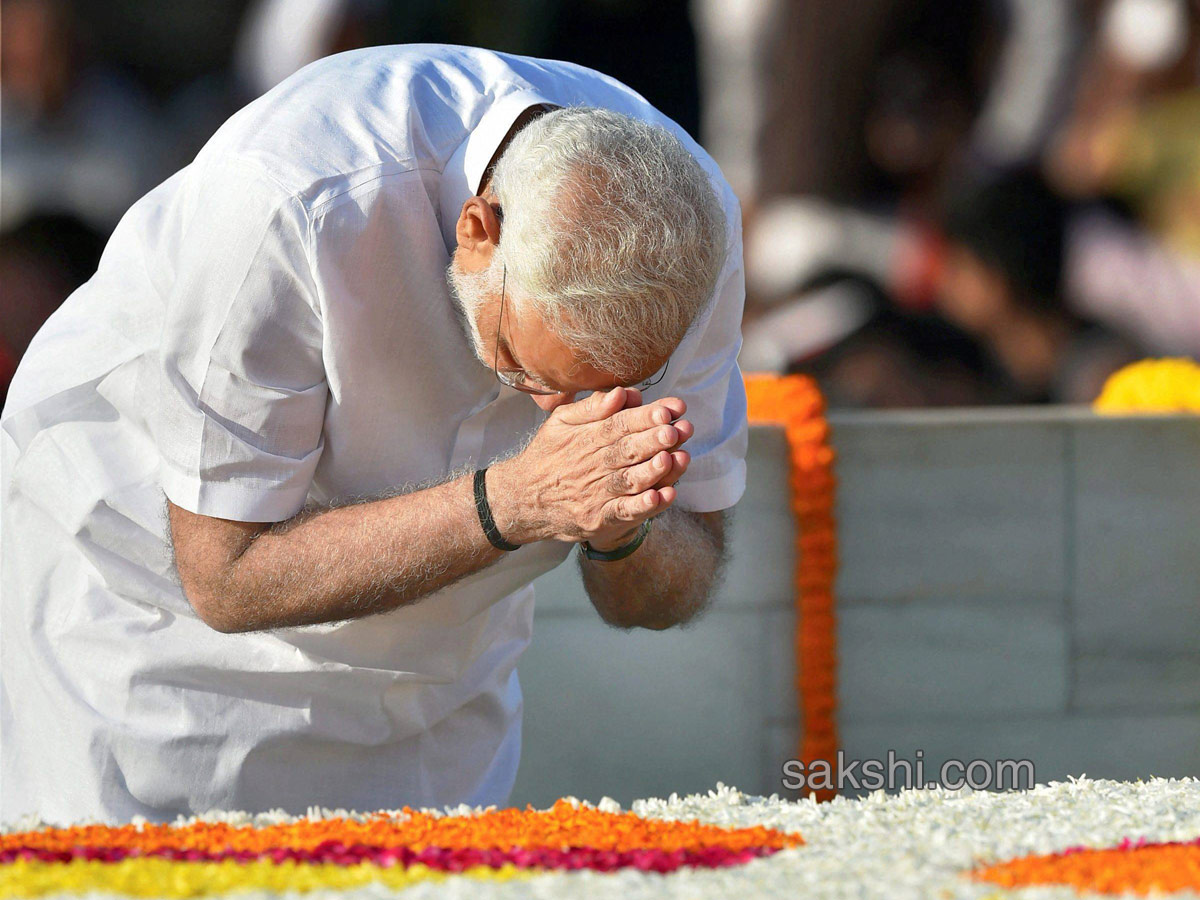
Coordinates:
945	202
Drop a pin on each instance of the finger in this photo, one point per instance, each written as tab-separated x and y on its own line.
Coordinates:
631	421
633	398
658	499
680	460
638	478
686	429
675	404
599	405
632	508
637	448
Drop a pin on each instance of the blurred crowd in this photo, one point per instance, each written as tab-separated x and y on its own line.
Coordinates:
961	203
945	202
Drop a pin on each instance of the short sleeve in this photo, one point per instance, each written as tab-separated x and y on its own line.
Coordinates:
711	385
240	398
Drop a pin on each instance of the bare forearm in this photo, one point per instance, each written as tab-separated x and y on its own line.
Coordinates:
588	473
666	581
351	561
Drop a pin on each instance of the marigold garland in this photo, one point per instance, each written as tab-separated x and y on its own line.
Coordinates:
563	826
197	857
795	402
1131	867
1152	386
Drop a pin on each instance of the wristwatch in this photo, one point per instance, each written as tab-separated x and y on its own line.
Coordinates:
620	552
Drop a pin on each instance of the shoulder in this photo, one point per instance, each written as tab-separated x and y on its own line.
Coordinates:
392	108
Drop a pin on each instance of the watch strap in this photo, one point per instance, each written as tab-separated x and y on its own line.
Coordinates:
619	552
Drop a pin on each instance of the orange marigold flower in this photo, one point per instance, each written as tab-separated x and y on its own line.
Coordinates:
796	403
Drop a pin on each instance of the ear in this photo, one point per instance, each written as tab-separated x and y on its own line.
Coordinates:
477	232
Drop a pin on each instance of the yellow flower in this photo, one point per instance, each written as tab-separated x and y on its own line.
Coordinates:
1152	386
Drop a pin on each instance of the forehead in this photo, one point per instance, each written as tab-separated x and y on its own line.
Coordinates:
547	359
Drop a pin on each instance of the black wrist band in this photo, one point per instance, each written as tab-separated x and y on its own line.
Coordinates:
485	514
620	552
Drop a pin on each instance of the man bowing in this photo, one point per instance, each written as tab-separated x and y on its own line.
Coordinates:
276	480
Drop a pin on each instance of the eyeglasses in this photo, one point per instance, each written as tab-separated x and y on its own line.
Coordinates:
519	379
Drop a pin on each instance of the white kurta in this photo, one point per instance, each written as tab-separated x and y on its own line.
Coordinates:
271	327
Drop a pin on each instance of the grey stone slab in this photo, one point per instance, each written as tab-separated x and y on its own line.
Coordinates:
957	508
1155	682
899	661
972	415
779	663
1123	747
762	546
640	714
781	743
760	566
1013	585
1136	534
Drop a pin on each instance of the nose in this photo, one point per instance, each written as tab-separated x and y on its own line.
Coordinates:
550	402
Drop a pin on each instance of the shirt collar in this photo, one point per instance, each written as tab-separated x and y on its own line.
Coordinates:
464	171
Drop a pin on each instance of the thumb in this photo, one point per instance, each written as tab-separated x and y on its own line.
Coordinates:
600	405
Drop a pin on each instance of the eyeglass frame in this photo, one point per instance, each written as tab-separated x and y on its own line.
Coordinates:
516	378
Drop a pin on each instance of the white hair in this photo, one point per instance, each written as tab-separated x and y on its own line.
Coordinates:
611	232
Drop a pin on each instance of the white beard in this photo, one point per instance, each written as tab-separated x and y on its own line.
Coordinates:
471	291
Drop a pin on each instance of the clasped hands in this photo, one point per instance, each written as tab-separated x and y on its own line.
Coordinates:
595	470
